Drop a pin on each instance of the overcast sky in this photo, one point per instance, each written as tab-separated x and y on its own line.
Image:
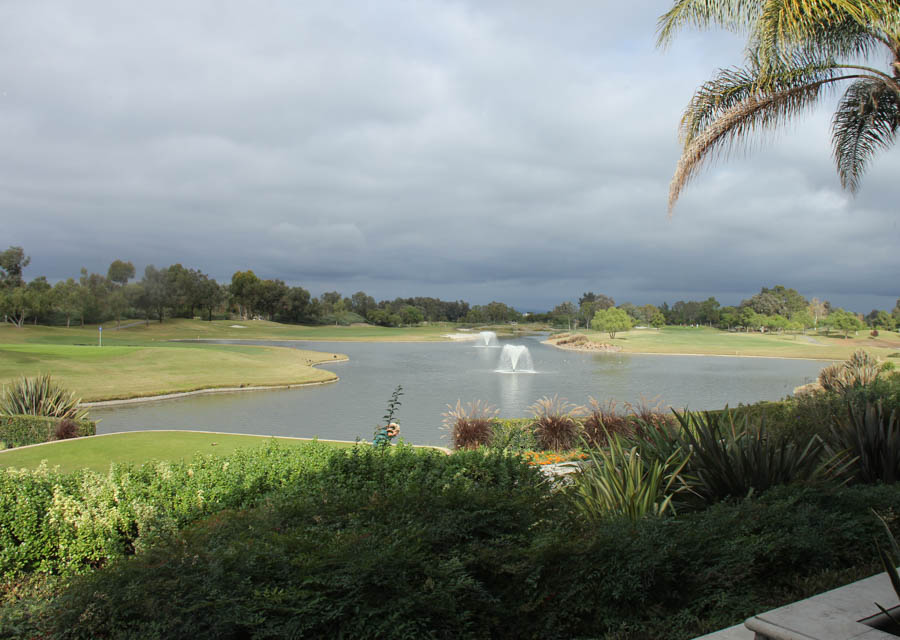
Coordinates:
517	151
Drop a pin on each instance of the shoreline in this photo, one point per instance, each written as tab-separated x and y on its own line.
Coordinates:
699	355
211	390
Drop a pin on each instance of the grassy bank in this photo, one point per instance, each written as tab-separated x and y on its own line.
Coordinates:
182	329
117	371
708	341
98	452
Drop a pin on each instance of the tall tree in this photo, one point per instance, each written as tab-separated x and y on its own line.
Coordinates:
796	52
12	263
120	272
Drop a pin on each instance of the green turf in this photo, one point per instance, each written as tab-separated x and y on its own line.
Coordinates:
97	452
111	372
708	341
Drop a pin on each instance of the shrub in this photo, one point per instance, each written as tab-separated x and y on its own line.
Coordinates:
871	433
469	426
66	523
859	370
18	431
66	429
512	434
473	561
40	396
620	482
603	420
732	460
555	423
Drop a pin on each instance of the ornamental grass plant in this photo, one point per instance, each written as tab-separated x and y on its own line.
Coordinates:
40	396
556	424
620	482
469	426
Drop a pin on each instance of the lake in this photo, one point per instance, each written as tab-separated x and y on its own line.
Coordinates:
434	374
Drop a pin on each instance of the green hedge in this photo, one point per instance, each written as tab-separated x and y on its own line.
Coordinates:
424	556
18	431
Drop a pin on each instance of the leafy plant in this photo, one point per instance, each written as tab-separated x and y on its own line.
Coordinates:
871	433
470	425
860	370
385	433
514	435
728	460
40	396
555	423
621	482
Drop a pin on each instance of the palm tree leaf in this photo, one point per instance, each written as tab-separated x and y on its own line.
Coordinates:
866	121
755	112
789	20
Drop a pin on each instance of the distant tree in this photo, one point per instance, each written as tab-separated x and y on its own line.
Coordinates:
803	318
12	263
298	306
411	315
92	296
818	310
777	300
612	321
66	299
14	304
120	272
750	319
601	301
564	313
244	291
329	299
729	317
710	312
658	320
896	311
154	292
40	297
270	294
360	303
631	310
841	320
210	295
117	303
646	313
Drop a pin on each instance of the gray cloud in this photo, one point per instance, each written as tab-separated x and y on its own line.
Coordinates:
512	151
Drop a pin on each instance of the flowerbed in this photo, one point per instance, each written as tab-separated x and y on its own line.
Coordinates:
535	458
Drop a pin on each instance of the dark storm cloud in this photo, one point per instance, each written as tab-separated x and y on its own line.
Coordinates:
511	151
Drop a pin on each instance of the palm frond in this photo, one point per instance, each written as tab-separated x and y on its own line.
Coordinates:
731	87
733	15
755	112
786	20
866	121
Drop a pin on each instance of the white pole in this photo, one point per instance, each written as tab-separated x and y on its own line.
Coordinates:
101	336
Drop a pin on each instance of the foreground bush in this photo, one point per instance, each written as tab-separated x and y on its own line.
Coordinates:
64	523
439	548
21	430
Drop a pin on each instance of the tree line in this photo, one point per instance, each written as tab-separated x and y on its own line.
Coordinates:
772	309
176	291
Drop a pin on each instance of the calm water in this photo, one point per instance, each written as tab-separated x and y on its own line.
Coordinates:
435	374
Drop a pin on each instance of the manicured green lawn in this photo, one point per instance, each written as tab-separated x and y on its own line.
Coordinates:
98	452
182	329
111	372
707	341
